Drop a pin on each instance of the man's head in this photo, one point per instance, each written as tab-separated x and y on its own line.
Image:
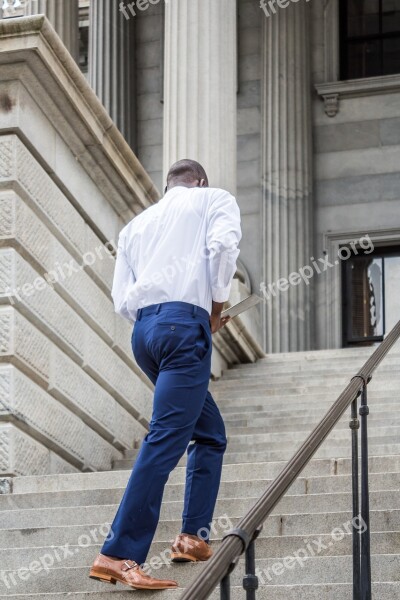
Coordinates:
187	173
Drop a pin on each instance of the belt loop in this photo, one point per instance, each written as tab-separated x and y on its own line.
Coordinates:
139	314
194	311
158	309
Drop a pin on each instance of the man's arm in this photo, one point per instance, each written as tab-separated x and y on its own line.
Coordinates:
223	237
124	278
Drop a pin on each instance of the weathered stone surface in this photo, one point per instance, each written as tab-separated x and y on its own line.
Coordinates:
20	454
50	422
22	344
47	309
103	364
89	400
84	294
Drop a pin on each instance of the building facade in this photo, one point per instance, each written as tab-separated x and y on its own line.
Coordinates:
292	106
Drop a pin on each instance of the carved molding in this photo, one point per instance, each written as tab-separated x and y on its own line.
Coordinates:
332	92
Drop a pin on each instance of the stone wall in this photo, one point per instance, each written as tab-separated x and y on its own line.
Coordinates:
356	159
71	396
149	68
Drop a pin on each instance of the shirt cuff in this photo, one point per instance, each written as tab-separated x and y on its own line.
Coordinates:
221	294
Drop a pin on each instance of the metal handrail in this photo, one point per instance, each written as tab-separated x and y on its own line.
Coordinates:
236	542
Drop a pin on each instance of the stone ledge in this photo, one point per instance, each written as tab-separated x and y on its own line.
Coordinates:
333	92
56	83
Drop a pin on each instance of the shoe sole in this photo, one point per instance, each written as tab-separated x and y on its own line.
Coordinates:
181	557
113	580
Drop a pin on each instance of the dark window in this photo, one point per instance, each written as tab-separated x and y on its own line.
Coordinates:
371	290
370	38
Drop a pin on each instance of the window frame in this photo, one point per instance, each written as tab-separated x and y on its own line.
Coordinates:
345	40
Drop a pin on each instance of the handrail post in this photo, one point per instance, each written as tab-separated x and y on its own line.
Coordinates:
365	532
225	587
250	580
354	426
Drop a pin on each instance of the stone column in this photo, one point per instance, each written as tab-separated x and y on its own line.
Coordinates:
112	63
64	16
287	177
200	85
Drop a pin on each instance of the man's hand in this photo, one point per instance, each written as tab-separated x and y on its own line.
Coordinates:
216	321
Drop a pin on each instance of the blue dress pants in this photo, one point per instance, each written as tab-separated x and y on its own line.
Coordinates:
172	344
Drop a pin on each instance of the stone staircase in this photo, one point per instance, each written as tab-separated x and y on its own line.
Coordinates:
52	526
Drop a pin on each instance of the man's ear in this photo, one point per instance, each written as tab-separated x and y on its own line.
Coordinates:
202	183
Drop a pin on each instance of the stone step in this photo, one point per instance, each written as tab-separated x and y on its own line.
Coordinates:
385	381
325	451
308	393
319	569
254	406
374	432
385	542
294	504
338	591
283	377
337	365
239	427
174	492
307	524
259	470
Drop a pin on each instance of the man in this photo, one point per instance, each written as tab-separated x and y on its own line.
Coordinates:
175	265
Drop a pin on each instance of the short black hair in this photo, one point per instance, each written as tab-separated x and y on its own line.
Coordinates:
186	171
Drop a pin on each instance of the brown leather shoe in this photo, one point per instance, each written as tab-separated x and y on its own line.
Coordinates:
190	548
127	572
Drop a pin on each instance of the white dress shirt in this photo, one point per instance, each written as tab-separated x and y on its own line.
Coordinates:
184	248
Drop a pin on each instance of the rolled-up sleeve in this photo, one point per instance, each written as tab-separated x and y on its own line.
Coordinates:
223	237
124	278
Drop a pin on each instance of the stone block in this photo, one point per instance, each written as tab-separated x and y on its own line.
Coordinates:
149	54
250	14
148	82
83	293
51	423
60	466
150	28
362	189
56	209
151	157
347	136
249	120
115	376
20	454
390	132
249	200
81	394
150	108
102	269
20	226
249	94
248	148
25	346
249	37
150	133
249	173
51	206
46	308
250	67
